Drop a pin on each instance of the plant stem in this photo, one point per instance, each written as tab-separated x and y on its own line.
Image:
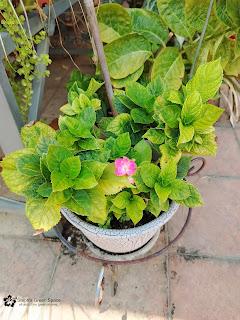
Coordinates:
201	38
93	25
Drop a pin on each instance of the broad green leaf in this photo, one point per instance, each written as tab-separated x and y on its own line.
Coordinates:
196	12
29	164
119	124
149	25
65	138
168	173
135	209
95	167
55	155
186	133
60	181
71	167
192	108
141	116
124	82
208	146
45	189
149	173
78	127
167	154
206	80
179	190
141	186
121	200
194	200
155	136
113	21
89	144
93	87
140	95
173	14
31	135
44	169
68	110
41	215
109	183
183	167
156	86
233	8
174	97
59	197
120	146
116	211
170	67
210	114
221	11
162	192
170	114
141	152
126	55
86	179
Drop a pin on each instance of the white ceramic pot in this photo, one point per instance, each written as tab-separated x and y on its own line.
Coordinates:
117	240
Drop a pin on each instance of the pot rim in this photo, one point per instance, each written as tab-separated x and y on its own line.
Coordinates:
75	220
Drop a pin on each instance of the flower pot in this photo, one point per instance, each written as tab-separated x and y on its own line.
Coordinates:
117	240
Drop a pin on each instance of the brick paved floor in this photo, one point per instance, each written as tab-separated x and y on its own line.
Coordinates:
197	279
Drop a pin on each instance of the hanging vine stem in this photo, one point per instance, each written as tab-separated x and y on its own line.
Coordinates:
92	20
201	39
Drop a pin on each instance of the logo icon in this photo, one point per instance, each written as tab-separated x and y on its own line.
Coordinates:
9	301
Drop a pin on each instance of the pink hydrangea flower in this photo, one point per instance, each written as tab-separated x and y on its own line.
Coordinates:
125	167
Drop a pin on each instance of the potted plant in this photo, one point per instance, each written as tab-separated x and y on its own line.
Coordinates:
117	178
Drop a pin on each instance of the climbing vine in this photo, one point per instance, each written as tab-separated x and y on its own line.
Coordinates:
26	62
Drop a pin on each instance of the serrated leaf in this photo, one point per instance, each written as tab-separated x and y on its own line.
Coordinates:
208	146
41	215
85	180
209	115
71	167
149	173
120	146
170	115
135	209
186	133
149	25
196	12
192	108
120	124
95	167
206	80
109	183
124	82
141	152
126	55
55	155
93	87
141	186
29	165
89	144
168	173
155	136
183	167
68	110
141	116
65	138
195	199
170	67
121	200
78	127
140	95
179	190
60	181
156	86
113	21
162	192
174	97
45	189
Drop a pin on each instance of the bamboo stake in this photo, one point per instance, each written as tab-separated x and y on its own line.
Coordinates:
93	25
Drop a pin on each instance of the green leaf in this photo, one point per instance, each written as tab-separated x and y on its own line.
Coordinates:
109	183
126	55
71	167
183	167
85	180
124	82
179	190
233	11
45	189
207	80
149	25
60	197
41	215
121	200
173	14
192	108
186	133
141	116
31	135
29	164
113	21
65	138
162	192
44	169
170	115
95	167
120	146
141	186
135	209
68	110
140	95
208	146
55	155
60	181
155	136
196	13
141	152
168	173
120	124
174	97
156	86
222	14
194	199
149	173
89	144
170	67
167	153
93	87
210	114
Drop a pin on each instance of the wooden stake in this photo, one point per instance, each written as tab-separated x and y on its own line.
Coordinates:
93	26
